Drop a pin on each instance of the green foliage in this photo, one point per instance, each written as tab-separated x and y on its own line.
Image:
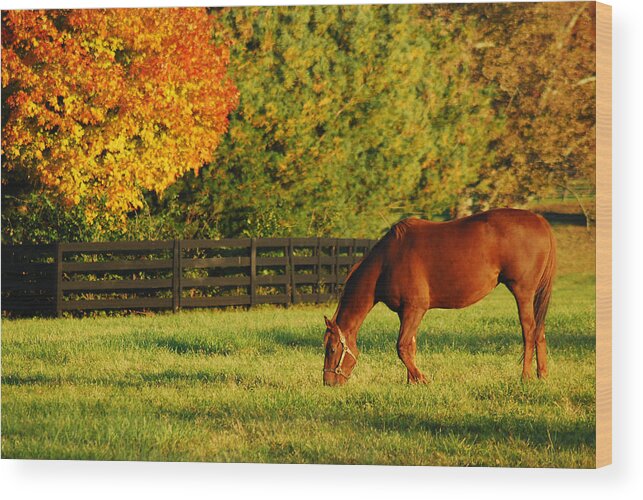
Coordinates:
350	117
35	218
38	217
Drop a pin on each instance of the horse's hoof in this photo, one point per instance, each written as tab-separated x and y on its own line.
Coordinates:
542	375
420	379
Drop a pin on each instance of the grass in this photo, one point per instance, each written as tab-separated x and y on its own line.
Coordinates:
245	386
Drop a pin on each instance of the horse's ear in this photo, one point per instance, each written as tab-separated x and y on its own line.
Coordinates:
329	323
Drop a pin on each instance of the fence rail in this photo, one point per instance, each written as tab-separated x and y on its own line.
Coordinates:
176	274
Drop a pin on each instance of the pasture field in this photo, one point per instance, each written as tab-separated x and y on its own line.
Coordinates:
245	386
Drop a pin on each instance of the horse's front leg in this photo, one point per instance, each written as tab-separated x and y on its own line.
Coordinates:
410	318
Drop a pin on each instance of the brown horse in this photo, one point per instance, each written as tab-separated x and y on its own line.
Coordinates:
420	265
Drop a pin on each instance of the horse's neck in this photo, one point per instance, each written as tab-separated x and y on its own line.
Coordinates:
358	297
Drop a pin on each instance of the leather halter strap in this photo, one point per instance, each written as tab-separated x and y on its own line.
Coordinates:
345	350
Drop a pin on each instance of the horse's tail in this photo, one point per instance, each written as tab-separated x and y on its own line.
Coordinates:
543	292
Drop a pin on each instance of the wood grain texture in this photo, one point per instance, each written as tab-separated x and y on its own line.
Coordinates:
603	234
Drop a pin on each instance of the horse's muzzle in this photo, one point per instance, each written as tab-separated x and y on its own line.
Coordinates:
333	380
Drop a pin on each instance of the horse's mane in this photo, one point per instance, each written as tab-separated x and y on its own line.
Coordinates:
350	273
399	230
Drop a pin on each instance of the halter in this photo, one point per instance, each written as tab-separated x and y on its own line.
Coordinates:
345	349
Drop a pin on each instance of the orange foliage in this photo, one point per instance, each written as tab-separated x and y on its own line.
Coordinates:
105	104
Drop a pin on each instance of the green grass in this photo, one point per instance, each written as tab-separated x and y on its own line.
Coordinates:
245	386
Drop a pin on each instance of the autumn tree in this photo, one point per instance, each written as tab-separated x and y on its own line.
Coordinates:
349	118
540	60
100	106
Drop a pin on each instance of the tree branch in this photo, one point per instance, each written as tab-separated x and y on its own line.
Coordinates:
580	203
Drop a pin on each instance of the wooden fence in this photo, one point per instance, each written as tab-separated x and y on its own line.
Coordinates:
51	279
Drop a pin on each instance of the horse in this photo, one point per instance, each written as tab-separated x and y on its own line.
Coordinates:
420	265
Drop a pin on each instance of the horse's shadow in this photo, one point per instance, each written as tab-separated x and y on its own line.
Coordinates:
498	339
501	342
437	340
496	336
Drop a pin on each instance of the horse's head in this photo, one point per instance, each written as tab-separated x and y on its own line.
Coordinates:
340	358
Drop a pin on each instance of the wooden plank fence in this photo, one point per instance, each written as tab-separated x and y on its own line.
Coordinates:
176	274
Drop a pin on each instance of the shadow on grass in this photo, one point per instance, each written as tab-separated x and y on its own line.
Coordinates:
181	345
265	342
169	377
294	338
500	341
163	378
186	344
18	380
232	377
477	430
535	432
261	342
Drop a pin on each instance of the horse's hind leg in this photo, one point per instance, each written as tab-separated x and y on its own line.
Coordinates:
541	352
410	319
525	301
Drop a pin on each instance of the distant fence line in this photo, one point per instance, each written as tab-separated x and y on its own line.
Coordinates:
175	274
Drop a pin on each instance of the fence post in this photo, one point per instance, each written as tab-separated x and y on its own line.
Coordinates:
337	268
177	271
352	252
319	269
293	283
253	271
288	274
59	279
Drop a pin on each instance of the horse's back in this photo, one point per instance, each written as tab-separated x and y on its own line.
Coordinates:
454	264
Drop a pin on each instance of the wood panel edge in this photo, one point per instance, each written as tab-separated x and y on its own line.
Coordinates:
603	234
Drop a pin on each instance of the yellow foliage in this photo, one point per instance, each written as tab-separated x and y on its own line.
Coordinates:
106	104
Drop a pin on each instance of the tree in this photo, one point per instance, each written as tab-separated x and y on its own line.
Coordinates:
540	59
100	106
350	117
